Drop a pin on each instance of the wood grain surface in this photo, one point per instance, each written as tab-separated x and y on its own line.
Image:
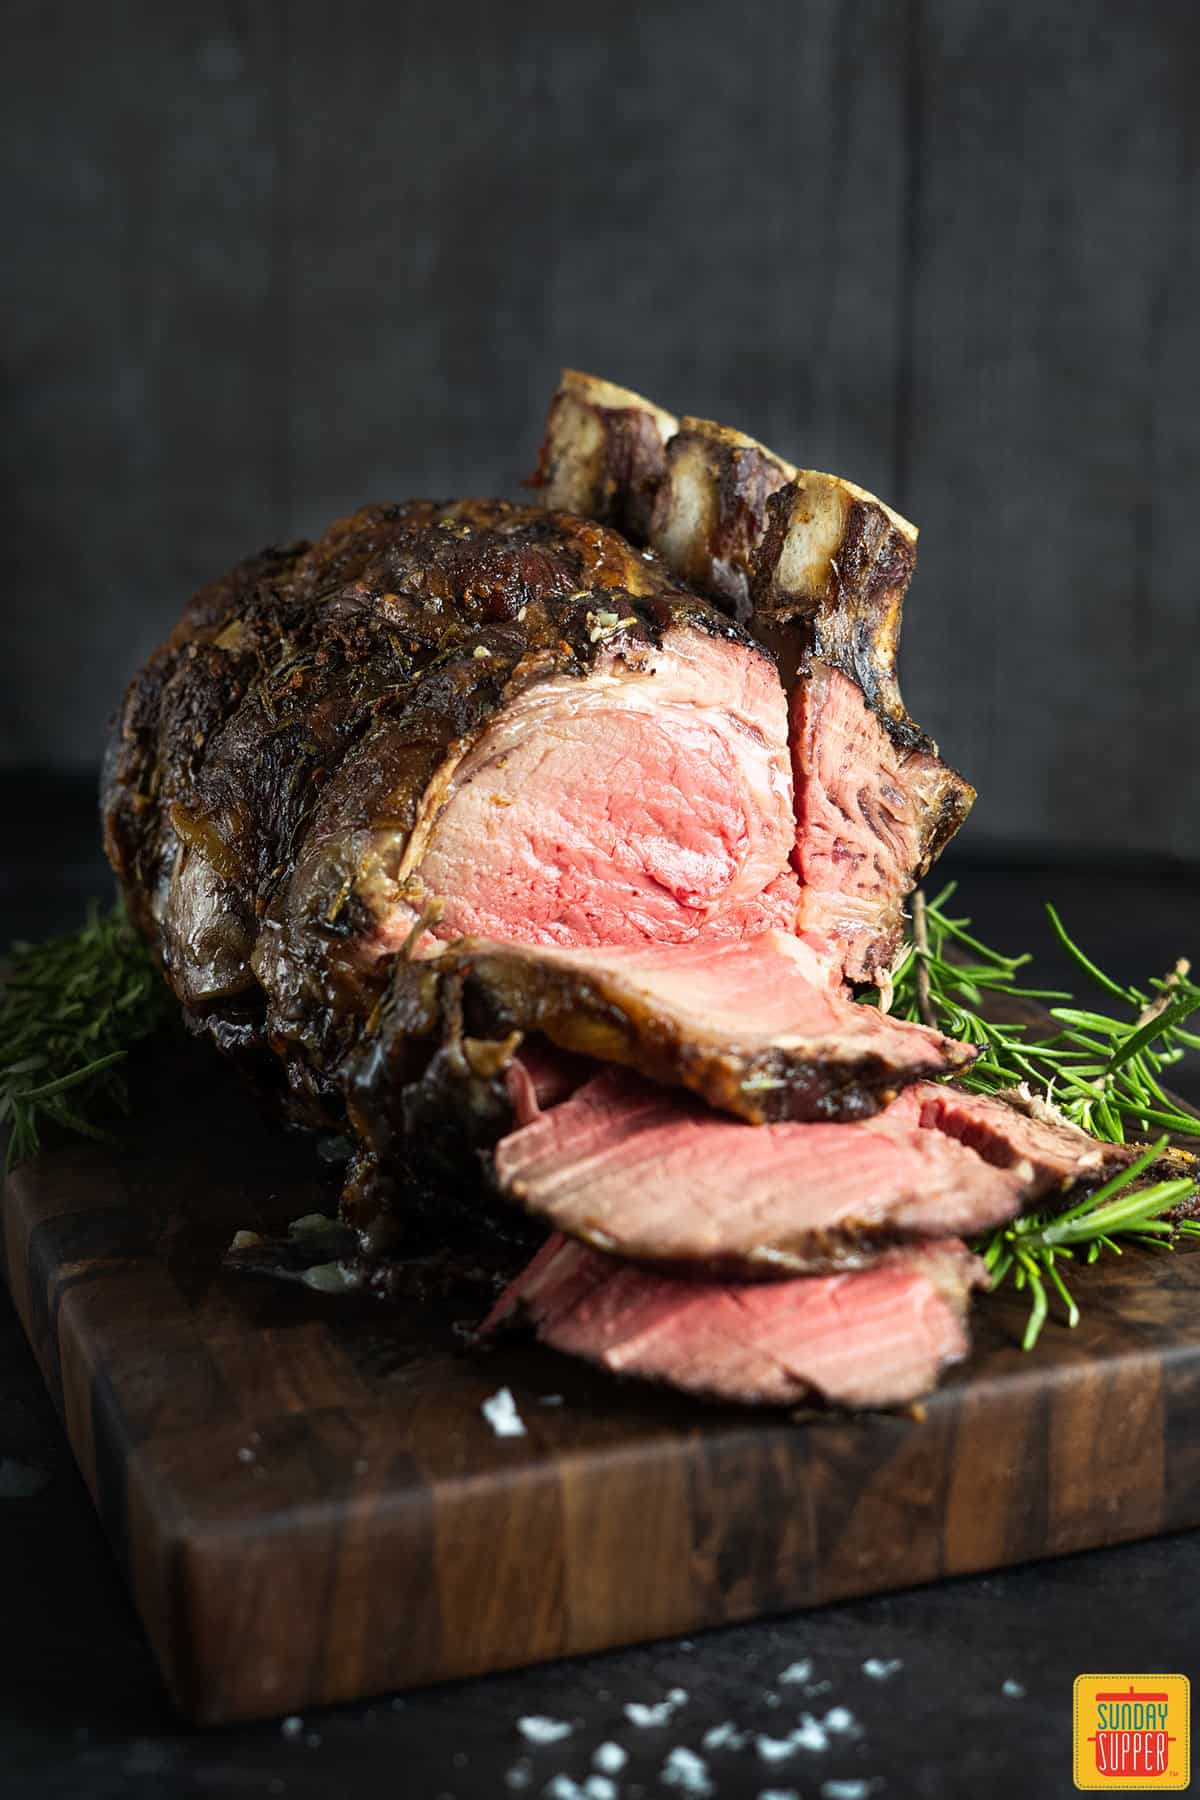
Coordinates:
311	1506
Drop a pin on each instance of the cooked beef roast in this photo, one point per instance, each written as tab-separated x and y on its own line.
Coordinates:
433	822
876	1338
817	570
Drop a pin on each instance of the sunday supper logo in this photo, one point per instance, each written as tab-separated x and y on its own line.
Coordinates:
1131	1731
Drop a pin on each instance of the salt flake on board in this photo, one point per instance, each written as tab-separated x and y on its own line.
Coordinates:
501	1413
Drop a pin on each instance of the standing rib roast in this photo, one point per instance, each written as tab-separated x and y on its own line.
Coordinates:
540	845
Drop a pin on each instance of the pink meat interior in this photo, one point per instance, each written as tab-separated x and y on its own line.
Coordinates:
650	802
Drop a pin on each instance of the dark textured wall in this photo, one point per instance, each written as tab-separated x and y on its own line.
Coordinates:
264	261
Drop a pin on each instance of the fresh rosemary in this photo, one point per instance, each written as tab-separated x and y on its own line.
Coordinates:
1100	1071
70	1011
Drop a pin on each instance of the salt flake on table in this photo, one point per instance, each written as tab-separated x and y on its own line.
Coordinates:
774	1749
661	1712
724	1737
845	1790
778	1794
539	1730
501	1413
879	1669
841	1720
520	1775
808	1735
797	1671
685	1770
610	1758
600	1787
1012	1690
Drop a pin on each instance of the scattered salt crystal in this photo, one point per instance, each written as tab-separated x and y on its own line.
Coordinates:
480	653
772	1699
797	1671
684	1769
502	1415
686	1644
808	1735
538	1730
661	1712
552	1399
610	1758
292	1726
841	1720
778	1794
724	1737
520	1775
562	1787
774	1750
1012	1690
881	1670
845	1790
245	1454
600	1787
817	1687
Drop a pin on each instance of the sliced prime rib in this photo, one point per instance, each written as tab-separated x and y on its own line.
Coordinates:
880	1337
753	1026
817	569
635	1170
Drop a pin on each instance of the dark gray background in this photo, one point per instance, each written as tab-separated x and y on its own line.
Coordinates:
264	261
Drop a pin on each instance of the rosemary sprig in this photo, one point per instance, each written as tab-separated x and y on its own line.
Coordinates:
1099	1071
70	1011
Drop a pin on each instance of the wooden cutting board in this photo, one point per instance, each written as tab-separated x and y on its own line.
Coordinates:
311	1505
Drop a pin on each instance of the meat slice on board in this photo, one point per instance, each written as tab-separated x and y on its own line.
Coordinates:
876	1338
632	1169
752	1026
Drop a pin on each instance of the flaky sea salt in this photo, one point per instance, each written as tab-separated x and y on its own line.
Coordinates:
292	1726
879	1669
1012	1690
610	1759
661	1712
797	1671
773	1750
520	1775
536	1729
845	1790
841	1720
501	1413
724	1737
600	1787
685	1770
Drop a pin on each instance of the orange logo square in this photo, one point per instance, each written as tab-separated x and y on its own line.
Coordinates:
1131	1731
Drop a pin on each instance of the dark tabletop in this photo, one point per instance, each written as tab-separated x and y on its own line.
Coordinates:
976	1695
